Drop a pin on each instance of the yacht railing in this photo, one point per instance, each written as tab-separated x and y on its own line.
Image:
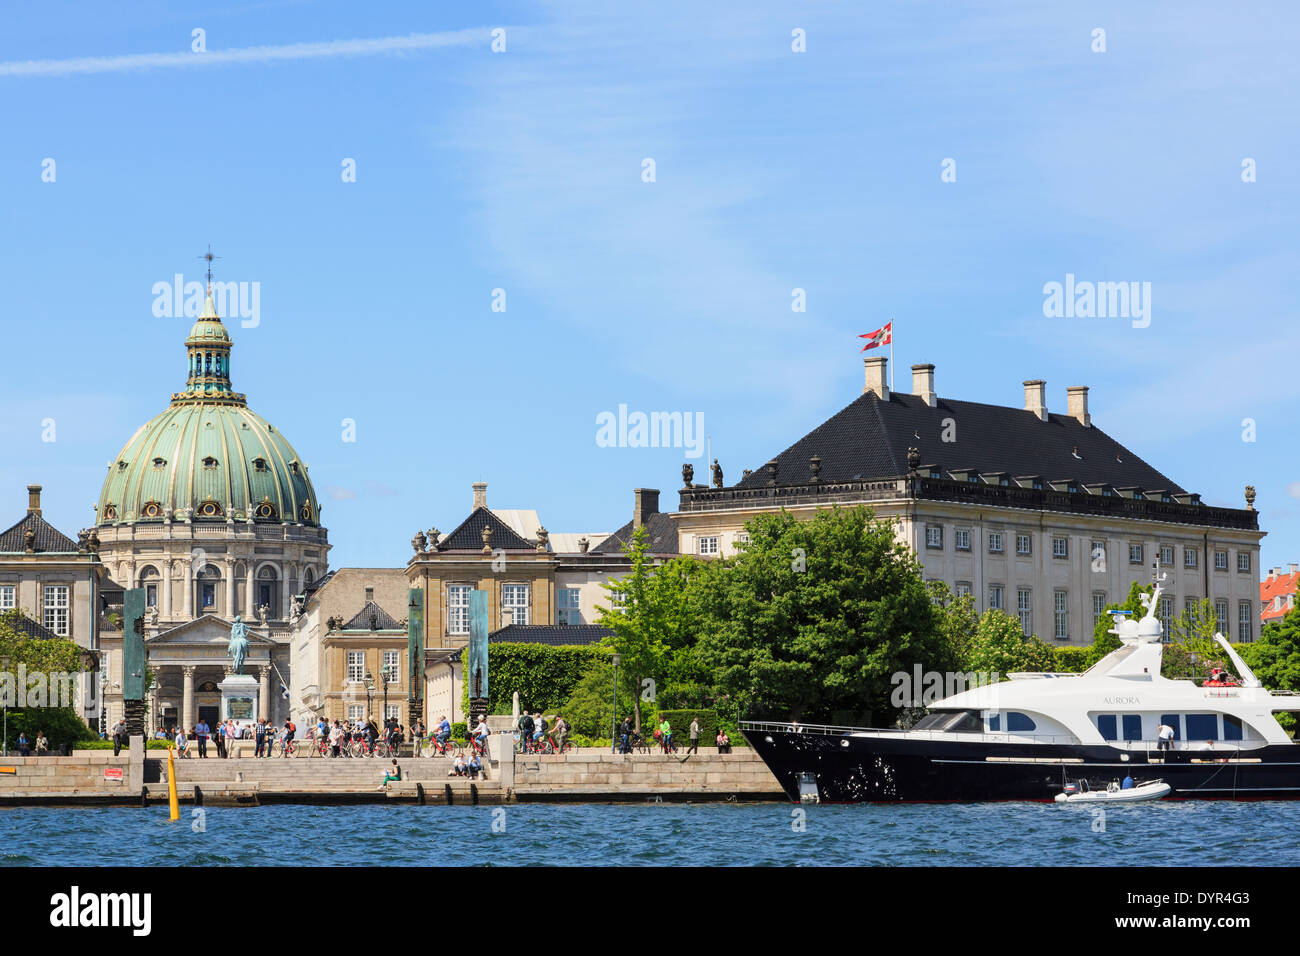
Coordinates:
789	727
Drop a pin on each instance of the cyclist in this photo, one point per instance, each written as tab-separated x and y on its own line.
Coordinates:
666	735
288	736
444	731
481	733
540	733
391	736
371	734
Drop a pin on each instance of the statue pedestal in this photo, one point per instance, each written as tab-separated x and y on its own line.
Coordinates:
239	699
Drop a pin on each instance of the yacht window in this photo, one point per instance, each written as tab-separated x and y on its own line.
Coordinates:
1018	722
1202	726
1232	727
995	723
1173	721
1106	726
930	721
1132	726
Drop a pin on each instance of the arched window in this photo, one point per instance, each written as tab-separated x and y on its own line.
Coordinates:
308	577
266	509
268	590
207	586
151	509
209	509
149	581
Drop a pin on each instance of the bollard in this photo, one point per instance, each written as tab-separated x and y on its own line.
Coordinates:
171	785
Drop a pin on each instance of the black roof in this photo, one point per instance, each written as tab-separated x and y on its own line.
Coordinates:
662	531
558	634
25	625
48	537
469	535
870	437
372	617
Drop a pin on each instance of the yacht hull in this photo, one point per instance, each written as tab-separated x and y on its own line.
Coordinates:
899	768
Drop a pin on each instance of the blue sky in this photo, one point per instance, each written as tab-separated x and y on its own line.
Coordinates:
522	170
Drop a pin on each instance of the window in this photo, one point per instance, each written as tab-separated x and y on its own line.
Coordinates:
356	665
1135	554
1189	606
1221	616
1061	615
934	536
1166	554
1024	544
1190	558
356	712
1098	606
393	712
393	666
995	597
1098	555
709	544
1019	723
995	542
515	598
1202	727
742	537
267	591
1106	727
1165	612
963	588
1132	724
207	595
56	609
1243	562
1232	727
568	610
458	608
1244	617
1060	547
1025	610
1220	560
961	539
8	597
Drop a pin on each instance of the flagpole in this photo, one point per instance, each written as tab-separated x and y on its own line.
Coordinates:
891	353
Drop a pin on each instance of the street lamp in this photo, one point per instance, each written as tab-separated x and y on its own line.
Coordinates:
384	674
370	686
613	721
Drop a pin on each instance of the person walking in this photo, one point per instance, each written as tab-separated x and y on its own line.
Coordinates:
666	735
201	731
695	736
120	738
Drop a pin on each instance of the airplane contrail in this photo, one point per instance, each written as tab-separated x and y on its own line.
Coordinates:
254	54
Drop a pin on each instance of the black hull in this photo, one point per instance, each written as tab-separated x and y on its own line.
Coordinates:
899	769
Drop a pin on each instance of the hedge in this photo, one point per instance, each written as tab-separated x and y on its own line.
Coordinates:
149	744
544	675
60	724
1072	660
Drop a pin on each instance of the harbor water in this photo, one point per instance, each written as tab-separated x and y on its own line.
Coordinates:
1182	833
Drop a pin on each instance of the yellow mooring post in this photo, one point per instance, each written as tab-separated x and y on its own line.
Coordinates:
171	785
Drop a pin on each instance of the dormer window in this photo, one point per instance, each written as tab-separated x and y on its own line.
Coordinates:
151	510
160	463
209	462
306	511
259	464
209	509
110	512
295	468
265	509
121	464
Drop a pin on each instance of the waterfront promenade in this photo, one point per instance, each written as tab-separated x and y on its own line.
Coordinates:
96	777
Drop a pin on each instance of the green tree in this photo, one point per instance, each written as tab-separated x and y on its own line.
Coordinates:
813	617
1275	657
1000	647
44	656
1191	645
1103	642
653	617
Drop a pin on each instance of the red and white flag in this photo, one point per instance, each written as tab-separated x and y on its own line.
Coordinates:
882	336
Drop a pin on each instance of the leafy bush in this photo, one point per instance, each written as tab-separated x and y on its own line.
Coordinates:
680	721
1071	660
543	675
60	724
149	744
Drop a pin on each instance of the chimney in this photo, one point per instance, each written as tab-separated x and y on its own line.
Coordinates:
923	383
1295	568
647	504
480	494
1036	398
877	367
33	499
1077	404
583	545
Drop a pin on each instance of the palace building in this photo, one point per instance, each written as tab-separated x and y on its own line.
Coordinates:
211	511
1037	513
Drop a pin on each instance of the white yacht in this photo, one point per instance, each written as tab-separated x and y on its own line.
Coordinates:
1029	737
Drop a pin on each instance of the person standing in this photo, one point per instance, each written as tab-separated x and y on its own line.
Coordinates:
625	736
42	745
695	736
1165	738
25	745
525	728
666	735
417	737
259	735
201	732
120	738
220	738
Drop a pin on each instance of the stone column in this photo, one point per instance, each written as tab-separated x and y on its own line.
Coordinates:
264	691
250	599
286	581
189	589
188	718
230	589
167	590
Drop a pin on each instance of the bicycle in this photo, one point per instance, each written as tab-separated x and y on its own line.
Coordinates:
643	745
477	748
283	748
549	746
448	749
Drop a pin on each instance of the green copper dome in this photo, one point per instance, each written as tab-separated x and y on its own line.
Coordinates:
208	457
